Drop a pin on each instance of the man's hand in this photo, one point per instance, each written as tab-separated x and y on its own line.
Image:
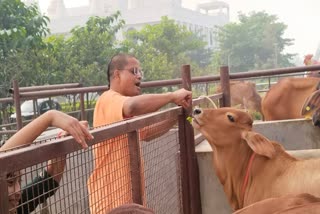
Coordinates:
182	97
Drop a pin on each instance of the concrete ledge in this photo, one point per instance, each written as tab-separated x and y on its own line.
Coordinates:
296	134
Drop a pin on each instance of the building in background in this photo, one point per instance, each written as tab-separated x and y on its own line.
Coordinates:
317	54
138	13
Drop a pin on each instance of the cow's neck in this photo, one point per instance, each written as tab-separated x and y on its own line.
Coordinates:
231	169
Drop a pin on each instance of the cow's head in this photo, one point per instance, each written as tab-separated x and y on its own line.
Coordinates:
311	108
226	127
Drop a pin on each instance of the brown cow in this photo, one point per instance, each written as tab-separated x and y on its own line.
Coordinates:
245	94
249	166
285	99
291	204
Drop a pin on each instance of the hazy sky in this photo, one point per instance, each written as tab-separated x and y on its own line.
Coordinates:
302	18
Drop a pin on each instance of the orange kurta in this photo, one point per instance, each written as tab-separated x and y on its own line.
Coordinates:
109	184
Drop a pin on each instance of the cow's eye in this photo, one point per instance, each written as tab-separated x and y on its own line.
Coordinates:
230	117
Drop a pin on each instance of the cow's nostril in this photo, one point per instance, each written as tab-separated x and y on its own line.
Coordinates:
197	111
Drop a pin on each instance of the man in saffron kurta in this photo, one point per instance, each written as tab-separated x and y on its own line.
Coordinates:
110	184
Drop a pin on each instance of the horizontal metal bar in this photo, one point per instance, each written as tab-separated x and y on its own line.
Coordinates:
214	78
47	87
20	158
277	71
160	83
5	100
48	93
8	132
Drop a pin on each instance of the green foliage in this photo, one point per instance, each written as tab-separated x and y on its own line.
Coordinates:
256	42
84	54
21	27
256	115
21	31
162	48
79	57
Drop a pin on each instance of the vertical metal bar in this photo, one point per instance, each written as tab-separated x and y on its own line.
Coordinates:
225	85
35	109
4	200
88	103
82	107
221	104
207	88
74	102
16	99
135	163
269	83
193	171
184	165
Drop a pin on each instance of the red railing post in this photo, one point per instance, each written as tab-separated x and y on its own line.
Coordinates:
16	99
4	200
192	164
225	85
135	166
82	107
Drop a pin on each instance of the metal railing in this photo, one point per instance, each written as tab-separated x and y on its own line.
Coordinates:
174	190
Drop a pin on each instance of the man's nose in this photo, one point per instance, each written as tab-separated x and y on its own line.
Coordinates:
139	75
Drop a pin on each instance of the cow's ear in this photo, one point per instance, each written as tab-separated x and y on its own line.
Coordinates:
259	144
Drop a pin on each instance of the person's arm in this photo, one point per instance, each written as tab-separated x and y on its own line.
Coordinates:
45	185
36	192
51	118
147	103
55	167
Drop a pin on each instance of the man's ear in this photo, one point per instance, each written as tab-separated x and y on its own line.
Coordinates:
116	74
259	144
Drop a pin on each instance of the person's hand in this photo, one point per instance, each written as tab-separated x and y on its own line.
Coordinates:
182	97
78	129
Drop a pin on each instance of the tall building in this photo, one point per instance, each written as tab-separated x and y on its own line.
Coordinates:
138	13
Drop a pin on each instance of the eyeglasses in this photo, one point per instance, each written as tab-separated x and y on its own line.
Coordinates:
135	71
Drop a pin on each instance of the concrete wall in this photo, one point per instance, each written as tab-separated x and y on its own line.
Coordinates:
297	134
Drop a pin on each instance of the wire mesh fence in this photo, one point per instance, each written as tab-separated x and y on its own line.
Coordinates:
54	176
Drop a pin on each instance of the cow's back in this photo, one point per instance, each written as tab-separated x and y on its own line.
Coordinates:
285	99
244	93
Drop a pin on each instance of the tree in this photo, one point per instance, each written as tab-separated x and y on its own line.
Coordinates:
78	57
21	27
256	42
162	48
21	30
89	47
